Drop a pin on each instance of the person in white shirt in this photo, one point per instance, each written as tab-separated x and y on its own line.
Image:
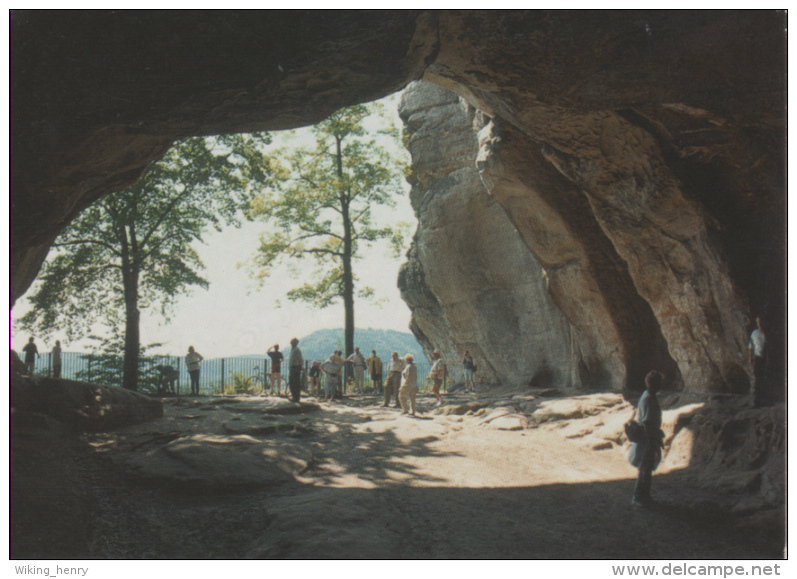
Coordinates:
436	375
757	353
332	379
409	386
359	364
394	368
192	360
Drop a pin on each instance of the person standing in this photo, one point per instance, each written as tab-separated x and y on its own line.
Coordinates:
375	370
757	353
436	375
295	363
276	367
331	369
409	386
31	351
394	368
470	370
358	363
340	362
645	455
192	360
56	359
314	374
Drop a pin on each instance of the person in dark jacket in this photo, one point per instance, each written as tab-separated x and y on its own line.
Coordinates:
645	455
31	351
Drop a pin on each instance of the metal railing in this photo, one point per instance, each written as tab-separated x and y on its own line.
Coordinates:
234	375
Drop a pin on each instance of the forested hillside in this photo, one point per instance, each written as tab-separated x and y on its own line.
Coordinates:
321	343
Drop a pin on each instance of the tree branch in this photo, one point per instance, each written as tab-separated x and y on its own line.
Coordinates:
162	216
315	232
309	181
98	269
106	245
156	246
333	207
323	251
360	214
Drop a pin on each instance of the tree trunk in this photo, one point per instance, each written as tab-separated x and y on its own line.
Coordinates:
132	345
348	303
348	276
130	275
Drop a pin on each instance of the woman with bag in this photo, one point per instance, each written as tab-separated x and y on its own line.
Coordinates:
645	453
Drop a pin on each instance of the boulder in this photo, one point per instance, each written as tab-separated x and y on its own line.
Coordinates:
203	462
83	405
508	422
460	409
739	452
574	408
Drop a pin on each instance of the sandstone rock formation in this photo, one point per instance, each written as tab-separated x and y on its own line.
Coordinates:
638	155
490	213
81	405
471	282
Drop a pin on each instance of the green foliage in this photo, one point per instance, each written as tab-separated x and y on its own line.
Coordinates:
105	364
133	249
242	384
323	209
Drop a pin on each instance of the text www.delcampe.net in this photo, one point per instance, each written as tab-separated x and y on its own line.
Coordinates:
694	569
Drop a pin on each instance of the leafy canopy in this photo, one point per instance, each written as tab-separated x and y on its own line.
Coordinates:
140	240
323	208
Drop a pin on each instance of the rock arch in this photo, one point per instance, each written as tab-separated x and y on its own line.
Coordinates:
664	132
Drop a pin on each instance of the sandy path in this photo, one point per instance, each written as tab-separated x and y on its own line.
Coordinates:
209	481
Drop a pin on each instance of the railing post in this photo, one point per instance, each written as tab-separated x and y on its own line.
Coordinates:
222	376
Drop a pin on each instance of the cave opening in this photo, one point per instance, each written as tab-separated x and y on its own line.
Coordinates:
559	87
242	312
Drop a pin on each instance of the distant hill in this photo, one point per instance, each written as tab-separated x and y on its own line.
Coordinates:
321	343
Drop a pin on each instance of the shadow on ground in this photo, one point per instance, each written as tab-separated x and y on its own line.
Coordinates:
360	494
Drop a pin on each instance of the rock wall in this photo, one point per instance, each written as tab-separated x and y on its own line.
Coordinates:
509	263
470	280
654	192
639	156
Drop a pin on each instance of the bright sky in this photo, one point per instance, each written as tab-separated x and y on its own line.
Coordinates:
235	317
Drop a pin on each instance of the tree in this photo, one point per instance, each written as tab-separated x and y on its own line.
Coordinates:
132	250
323	210
105	364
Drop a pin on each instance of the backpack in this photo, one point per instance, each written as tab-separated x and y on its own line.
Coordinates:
634	431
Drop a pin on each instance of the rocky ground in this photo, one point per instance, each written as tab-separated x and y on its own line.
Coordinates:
505	474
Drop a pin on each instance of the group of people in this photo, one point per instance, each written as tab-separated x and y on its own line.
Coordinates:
402	377
168	375
31	351
332	369
402	385
295	367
